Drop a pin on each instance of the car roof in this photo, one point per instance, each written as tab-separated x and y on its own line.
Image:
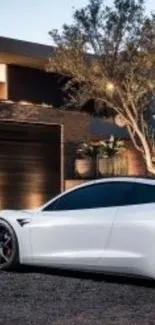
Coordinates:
137	179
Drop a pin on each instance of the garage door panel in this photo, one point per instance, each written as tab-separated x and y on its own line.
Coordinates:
30	165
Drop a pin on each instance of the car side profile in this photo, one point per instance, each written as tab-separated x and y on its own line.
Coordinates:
106	225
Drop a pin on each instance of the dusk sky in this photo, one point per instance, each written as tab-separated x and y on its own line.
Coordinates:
32	19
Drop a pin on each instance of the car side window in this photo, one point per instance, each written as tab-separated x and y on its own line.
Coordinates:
141	194
108	194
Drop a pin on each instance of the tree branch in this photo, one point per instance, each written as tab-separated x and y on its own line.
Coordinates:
134	140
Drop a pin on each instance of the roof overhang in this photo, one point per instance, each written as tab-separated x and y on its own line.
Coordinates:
7	58
23	53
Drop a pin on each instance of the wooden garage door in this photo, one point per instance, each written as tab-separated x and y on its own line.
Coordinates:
30	164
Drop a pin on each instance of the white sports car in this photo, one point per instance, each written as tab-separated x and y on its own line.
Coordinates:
106	225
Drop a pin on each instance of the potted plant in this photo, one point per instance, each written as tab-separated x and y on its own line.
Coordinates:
84	163
110	160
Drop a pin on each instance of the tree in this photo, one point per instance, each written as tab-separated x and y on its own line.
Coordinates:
108	55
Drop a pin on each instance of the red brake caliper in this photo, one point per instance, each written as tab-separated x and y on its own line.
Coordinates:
7	251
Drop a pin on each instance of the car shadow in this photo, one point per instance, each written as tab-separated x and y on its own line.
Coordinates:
97	277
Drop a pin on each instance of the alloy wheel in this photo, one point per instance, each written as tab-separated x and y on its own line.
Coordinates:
6	246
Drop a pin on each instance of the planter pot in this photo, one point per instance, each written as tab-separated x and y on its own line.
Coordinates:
84	168
104	166
120	165
114	166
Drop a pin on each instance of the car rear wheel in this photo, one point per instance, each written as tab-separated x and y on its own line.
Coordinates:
8	247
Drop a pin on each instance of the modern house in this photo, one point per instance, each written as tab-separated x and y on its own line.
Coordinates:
38	137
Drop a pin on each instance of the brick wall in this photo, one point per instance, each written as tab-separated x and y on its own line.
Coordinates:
76	129
76	126
136	165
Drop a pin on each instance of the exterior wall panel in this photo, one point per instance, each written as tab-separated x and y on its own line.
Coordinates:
34	85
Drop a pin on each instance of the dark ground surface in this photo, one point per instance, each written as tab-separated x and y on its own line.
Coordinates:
40	297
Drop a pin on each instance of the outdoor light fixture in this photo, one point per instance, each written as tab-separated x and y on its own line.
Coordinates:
110	87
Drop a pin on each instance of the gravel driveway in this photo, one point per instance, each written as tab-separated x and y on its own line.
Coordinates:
42	297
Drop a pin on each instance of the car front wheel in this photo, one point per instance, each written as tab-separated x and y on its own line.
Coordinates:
8	246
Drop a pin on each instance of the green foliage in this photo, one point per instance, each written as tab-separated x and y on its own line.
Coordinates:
108	57
111	147
107	45
84	151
